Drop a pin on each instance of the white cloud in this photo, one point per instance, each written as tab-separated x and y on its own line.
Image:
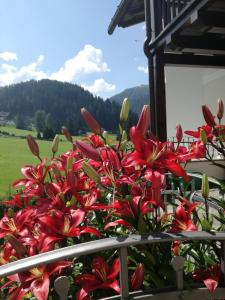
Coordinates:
143	69
89	60
11	74
99	86
8	56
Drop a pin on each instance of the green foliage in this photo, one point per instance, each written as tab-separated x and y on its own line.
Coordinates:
20	122
56	103
40	120
138	96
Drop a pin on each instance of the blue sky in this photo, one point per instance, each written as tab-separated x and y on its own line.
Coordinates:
67	40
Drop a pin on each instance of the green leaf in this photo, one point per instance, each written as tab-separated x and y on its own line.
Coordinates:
206	225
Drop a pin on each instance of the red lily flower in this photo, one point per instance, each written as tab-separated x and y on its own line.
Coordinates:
67	224
95	141
209	277
196	151
196	134
34	179
109	156
116	223
37	280
102	277
153	154
88	201
6	252
17	200
182	221
137	278
17	225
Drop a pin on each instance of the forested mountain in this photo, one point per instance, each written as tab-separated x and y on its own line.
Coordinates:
54	104
138	96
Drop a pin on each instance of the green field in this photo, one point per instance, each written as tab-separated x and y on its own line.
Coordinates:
14	153
17	132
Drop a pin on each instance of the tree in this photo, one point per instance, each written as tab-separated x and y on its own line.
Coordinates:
48	133
40	120
20	122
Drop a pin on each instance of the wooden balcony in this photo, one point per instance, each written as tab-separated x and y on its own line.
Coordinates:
191	26
178	32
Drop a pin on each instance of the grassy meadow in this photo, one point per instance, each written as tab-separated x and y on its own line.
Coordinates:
14	154
17	132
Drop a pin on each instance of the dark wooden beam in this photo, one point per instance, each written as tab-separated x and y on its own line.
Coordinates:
150	66
206	42
212	18
157	66
160	96
131	21
217	61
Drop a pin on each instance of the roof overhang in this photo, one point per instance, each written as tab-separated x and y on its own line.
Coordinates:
128	13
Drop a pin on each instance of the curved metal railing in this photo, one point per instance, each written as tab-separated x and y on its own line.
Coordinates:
121	244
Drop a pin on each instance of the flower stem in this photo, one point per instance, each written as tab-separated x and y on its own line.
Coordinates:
206	209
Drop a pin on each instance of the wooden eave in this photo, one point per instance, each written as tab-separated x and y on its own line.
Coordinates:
198	29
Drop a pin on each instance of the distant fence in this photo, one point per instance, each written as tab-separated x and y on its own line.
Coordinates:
188	141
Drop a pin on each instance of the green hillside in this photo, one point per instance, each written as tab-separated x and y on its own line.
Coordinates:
138	96
56	104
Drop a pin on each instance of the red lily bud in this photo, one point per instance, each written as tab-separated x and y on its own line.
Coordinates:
171	146
220	109
137	278
72	179
67	134
144	119
90	121
33	145
16	244
208	116
179	133
88	151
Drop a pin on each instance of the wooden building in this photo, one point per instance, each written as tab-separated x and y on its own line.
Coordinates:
178	33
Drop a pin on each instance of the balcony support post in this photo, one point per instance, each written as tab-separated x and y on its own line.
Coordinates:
150	65
124	285
153	20
223	261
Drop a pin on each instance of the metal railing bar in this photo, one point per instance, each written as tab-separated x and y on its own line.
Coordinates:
168	12
197	293
223	260
174	8
124	285
195	198
103	245
199	176
164	14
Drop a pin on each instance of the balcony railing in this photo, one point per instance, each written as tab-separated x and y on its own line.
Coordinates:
168	16
169	9
121	244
